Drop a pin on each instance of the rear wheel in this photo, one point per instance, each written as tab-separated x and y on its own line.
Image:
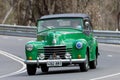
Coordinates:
44	68
93	64
85	66
31	69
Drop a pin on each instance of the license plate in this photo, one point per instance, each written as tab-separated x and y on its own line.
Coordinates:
54	63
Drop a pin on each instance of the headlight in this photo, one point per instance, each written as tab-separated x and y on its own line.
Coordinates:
79	45
29	47
68	56
41	56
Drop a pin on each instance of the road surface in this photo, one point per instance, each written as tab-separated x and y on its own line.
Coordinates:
12	67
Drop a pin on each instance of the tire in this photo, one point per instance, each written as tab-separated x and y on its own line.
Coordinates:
31	69
85	66
44	68
93	64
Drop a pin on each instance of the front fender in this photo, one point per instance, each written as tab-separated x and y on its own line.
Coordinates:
32	55
77	53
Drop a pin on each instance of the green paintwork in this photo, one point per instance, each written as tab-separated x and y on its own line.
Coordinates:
64	36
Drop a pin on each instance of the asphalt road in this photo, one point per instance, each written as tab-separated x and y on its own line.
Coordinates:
12	68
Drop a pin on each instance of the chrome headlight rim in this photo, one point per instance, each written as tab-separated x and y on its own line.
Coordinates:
68	56
79	45
29	47
42	56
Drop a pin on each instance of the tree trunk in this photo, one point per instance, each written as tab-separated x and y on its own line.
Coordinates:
118	20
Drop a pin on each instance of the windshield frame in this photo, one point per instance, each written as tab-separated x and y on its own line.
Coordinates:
44	29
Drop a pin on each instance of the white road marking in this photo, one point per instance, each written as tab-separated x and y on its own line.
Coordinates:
109	55
13	57
20	39
107	76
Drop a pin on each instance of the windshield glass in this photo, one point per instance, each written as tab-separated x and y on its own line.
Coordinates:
60	23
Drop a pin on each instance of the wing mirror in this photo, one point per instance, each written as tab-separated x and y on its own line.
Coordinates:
87	23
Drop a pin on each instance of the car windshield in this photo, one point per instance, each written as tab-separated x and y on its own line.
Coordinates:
60	23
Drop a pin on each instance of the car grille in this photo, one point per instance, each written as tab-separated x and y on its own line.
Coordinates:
54	51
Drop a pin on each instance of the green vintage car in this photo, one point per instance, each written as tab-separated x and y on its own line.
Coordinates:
62	40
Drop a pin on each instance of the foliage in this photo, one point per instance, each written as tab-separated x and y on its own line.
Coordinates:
105	14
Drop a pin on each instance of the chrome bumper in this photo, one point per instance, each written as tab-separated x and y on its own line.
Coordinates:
73	61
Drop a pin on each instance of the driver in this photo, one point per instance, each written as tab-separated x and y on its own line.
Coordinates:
76	25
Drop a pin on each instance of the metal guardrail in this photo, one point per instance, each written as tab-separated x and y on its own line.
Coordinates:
112	37
13	30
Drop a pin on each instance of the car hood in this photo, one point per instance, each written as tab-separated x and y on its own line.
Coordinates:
59	36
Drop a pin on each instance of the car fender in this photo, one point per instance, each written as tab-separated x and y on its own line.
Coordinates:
93	54
82	52
34	52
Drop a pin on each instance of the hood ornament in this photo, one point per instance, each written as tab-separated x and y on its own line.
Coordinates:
54	41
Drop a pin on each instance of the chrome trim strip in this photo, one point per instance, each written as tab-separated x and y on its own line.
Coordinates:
63	61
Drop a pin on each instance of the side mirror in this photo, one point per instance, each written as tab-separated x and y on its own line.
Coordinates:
87	23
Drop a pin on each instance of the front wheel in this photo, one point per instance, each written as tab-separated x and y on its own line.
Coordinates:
44	68
31	69
85	66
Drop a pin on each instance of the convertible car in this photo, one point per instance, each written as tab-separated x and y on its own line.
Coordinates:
62	40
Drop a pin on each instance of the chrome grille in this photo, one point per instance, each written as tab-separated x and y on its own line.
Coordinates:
55	50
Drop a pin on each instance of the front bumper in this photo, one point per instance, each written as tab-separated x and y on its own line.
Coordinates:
73	61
